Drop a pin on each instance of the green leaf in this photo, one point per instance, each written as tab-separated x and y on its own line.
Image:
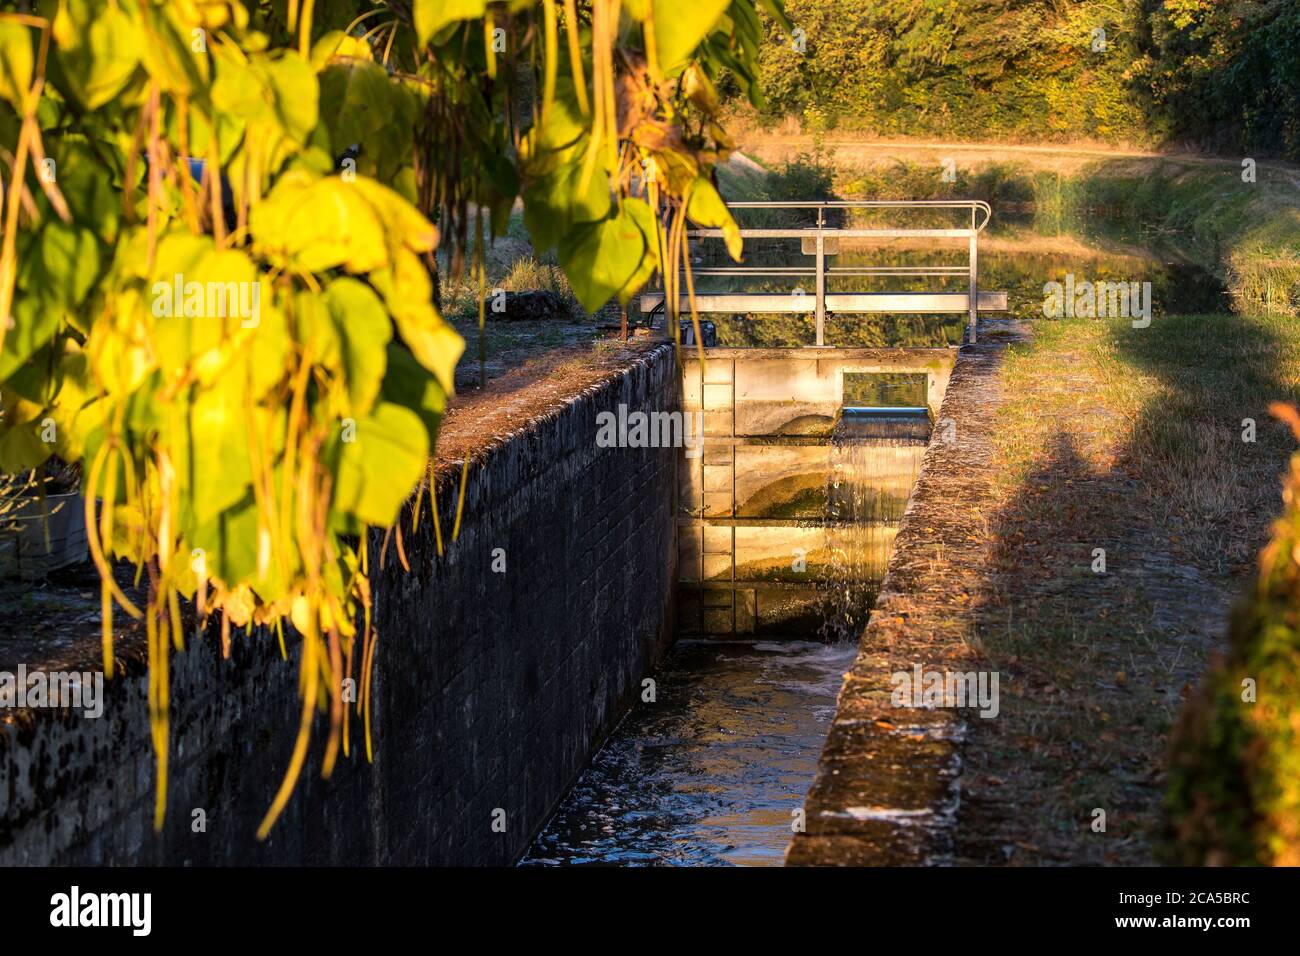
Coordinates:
36	320
706	208
411	385
553	204
601	258
70	262
642	215
21	447
98	49
282	92
364	332
317	328
378	468
360	105
296	95
354	102
75	412
316	224
199	297
169	57
409	295
338	45
37	378
320	225
432	15
86	182
239	91
220	471
558	139
20	440
407	228
230	545
265	360
679	32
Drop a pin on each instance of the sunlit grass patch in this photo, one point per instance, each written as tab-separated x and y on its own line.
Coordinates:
1180	408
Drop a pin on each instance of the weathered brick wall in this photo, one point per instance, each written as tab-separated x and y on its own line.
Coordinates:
492	689
81	791
505	683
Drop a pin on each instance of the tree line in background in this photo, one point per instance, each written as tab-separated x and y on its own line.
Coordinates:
1224	75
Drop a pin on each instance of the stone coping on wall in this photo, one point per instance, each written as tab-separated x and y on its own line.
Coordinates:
888	782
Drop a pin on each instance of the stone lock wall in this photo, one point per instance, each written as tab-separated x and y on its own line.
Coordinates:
758	490
492	688
510	681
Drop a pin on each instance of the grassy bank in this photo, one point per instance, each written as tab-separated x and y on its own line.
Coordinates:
1247	231
1124	445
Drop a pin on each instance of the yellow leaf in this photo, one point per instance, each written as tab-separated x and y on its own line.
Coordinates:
301	614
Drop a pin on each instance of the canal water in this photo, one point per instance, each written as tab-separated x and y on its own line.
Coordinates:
711	770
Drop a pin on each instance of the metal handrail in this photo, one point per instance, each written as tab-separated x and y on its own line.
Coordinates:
974	205
831	271
819	232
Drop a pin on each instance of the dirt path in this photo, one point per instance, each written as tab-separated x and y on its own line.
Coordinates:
1062	158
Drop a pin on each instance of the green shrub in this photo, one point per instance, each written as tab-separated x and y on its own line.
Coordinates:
809	177
1233	794
1021	68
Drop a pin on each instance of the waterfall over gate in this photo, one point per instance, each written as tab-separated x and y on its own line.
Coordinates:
874	461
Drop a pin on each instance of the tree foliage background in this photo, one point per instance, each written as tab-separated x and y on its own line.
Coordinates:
1224	73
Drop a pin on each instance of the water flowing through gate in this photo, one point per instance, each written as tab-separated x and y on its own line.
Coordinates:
875	458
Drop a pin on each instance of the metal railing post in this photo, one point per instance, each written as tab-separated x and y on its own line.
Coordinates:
974	276
821	278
